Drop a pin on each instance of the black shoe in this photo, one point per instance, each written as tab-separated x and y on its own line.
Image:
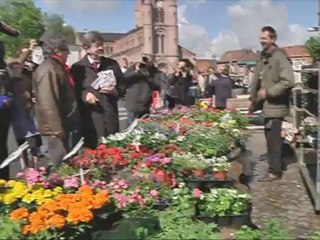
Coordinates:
244	179
270	177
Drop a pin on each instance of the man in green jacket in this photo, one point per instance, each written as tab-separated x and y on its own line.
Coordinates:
270	90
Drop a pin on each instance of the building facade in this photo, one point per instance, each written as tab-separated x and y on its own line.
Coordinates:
240	61
155	35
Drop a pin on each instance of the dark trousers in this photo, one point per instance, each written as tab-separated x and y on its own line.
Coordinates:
274	145
135	115
97	125
57	149
4	130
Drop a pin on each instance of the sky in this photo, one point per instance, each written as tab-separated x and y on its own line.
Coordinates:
207	27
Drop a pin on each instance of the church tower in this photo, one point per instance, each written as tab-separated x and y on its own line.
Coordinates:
158	18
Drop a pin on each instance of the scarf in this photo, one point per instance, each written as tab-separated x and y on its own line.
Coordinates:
66	69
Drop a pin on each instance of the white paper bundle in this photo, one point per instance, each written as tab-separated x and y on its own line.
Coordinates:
106	79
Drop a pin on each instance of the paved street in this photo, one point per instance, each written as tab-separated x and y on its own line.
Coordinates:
286	200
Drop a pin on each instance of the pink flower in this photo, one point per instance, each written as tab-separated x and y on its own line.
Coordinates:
197	192
122	183
42	170
166	160
32	176
71	182
20	175
154	193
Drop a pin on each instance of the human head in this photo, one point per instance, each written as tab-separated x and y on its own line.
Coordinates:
93	44
183	65
162	67
268	37
222	70
56	44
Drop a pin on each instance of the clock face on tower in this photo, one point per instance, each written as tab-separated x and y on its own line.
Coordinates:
159	3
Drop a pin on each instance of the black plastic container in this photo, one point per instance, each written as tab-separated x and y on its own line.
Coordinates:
208	182
228	220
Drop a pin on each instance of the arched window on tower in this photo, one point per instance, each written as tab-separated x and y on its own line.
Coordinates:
159	13
160	43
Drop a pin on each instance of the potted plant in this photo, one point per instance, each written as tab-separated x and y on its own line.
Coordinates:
190	164
224	206
220	168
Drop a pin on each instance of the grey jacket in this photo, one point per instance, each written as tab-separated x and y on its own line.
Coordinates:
275	74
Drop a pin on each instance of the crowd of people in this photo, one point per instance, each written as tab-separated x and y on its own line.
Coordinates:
51	101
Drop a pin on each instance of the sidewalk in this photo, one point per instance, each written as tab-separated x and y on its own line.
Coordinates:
286	200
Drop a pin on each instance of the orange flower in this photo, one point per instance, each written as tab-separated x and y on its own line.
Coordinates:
85	190
51	214
55	221
99	200
19	214
36	223
77	215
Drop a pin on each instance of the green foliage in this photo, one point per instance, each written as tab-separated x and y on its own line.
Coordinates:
54	22
246	233
177	222
272	231
313	46
315	236
9	230
24	16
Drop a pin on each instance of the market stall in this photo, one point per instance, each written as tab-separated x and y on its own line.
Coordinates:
164	178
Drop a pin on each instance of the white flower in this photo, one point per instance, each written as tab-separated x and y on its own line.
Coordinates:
180	138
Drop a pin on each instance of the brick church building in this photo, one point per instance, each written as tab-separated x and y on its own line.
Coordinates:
155	35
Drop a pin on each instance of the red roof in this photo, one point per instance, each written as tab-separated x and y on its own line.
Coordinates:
296	51
204	64
238	55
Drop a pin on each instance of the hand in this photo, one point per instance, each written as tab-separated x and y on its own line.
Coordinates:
262	93
59	135
108	90
137	67
91	98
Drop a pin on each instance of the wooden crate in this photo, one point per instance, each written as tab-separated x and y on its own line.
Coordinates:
238	103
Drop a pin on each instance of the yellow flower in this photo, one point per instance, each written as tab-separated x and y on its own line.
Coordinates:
2	182
27	198
9	199
232	121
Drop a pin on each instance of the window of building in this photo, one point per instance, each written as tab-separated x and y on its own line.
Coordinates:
160	43
107	50
159	15
111	50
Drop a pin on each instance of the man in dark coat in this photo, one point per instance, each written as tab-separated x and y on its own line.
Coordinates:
55	103
140	83
180	84
98	104
4	101
222	88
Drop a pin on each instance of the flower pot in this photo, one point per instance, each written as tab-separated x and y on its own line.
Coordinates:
220	175
160	176
186	172
198	172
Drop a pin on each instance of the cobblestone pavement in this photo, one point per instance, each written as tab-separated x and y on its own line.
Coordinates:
286	200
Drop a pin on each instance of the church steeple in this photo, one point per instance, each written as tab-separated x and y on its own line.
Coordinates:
143	12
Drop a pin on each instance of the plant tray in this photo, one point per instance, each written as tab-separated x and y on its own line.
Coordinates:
228	220
208	182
